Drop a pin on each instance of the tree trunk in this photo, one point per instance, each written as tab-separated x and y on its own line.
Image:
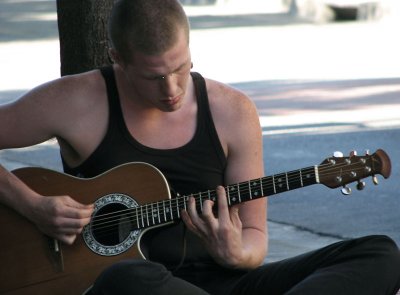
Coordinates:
82	26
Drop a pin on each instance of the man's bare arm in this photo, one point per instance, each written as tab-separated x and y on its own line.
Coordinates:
238	237
30	120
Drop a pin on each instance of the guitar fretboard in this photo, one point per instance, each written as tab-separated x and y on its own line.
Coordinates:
165	211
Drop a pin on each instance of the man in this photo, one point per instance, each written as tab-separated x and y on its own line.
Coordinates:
201	134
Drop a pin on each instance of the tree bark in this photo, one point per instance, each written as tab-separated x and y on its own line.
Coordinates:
82	26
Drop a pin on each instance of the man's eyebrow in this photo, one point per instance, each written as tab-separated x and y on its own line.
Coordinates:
181	66
159	75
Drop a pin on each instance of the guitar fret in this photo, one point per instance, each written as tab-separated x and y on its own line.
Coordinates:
239	195
184	202
287	182
202	196
152	213
301	178
170	209
158	213
273	183
250	193
201	201
172	202
137	218
147	215
141	214
267	186
316	174
261	186
178	214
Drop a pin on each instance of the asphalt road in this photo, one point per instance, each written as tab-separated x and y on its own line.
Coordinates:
374	210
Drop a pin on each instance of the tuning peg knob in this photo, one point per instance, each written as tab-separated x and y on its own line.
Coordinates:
346	190
375	180
353	153
338	154
360	185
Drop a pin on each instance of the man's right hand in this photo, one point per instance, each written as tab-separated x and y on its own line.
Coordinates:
60	217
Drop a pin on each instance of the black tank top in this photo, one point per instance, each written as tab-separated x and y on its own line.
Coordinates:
197	166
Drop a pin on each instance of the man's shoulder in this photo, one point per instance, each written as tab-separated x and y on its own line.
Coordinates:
222	94
91	80
229	106
78	88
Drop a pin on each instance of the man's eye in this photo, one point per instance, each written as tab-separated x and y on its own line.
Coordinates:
159	78
154	78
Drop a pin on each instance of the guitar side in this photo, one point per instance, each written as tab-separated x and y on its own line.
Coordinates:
35	264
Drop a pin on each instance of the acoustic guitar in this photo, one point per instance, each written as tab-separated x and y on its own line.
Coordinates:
129	200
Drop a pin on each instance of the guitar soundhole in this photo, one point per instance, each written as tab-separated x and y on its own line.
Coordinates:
112	229
109	226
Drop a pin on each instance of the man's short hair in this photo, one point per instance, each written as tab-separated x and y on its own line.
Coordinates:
148	26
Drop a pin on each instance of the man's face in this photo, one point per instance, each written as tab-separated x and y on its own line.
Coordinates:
160	81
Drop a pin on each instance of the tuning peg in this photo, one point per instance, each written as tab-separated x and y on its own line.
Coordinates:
346	190
375	180
353	153
360	185
338	154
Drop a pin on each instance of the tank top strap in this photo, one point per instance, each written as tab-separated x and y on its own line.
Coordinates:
201	94
205	117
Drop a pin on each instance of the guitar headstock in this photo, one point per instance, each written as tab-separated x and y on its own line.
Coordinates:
338	171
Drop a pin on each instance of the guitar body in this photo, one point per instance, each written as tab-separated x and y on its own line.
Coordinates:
32	263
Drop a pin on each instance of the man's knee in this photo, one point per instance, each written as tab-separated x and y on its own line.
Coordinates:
390	246
382	251
383	244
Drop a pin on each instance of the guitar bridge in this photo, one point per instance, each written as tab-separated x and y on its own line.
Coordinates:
56	254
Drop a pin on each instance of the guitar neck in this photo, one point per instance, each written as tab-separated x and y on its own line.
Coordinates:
165	211
270	185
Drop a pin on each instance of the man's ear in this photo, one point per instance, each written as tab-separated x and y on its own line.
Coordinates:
114	56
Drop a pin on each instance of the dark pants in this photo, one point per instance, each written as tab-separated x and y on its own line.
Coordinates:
368	265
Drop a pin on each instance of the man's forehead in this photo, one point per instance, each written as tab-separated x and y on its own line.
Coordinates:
174	57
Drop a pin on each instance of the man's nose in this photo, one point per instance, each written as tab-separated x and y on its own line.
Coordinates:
170	85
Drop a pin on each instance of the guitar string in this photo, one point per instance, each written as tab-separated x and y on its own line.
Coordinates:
142	218
199	195
184	198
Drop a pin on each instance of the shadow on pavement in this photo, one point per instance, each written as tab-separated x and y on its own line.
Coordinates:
272	96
